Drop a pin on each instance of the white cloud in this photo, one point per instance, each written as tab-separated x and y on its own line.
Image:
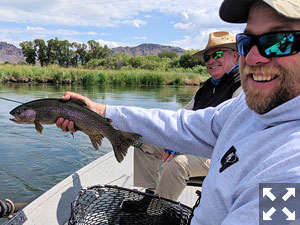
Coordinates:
61	32
99	12
139	38
72	32
193	42
110	44
193	18
136	22
199	40
40	29
17	35
185	15
186	26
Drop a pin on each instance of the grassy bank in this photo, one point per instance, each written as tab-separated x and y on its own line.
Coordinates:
55	74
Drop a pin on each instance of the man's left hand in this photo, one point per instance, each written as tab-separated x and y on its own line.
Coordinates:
168	155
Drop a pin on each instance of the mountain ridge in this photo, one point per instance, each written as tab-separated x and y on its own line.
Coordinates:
12	54
146	49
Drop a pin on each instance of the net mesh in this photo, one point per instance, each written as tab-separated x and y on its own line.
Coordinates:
113	205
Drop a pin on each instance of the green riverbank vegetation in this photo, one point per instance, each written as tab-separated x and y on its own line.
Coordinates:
66	63
59	75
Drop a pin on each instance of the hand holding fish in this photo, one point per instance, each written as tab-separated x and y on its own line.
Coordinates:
94	106
67	125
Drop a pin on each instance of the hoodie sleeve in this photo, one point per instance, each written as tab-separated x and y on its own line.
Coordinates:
177	130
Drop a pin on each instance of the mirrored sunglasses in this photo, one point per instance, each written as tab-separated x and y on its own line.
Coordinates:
216	55
275	44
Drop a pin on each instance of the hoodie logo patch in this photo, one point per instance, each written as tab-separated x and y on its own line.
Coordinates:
228	159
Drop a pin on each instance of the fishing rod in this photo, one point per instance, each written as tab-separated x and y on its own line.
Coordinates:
6	99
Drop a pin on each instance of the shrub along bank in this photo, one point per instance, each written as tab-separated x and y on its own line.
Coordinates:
123	76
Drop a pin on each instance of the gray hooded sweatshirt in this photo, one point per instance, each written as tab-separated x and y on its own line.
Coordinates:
245	148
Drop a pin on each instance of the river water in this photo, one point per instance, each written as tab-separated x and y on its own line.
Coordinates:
31	164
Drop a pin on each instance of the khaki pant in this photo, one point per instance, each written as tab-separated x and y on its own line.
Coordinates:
174	173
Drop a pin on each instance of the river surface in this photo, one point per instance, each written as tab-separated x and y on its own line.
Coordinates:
31	164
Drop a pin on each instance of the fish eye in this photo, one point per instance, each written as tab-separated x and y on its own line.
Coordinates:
19	111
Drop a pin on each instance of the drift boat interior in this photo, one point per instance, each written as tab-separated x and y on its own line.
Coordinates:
54	206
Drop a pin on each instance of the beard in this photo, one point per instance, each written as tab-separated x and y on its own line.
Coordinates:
263	101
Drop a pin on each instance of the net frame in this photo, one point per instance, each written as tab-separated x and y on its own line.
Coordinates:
104	204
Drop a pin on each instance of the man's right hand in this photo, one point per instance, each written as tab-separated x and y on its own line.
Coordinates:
67	125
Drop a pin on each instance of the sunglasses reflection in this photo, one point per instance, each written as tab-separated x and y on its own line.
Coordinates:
216	55
270	44
282	47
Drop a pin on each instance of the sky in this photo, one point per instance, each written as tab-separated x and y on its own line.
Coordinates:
180	23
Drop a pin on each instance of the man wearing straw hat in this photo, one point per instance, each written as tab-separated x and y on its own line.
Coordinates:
220	57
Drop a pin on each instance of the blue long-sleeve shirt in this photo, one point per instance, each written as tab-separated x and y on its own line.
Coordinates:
266	150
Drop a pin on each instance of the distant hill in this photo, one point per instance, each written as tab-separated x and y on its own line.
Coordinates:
10	53
146	49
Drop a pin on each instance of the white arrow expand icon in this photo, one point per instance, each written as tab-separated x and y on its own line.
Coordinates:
291	216
267	192
267	215
290	192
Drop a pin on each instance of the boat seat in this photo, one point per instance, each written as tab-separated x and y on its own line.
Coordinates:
196	181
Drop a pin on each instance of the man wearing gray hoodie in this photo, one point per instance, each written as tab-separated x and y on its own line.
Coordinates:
251	139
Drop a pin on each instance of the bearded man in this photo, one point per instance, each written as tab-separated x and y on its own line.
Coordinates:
251	139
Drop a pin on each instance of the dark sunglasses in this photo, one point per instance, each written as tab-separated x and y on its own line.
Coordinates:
275	44
215	55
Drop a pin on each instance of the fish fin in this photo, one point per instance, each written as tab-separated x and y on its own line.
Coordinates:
132	138
79	102
39	128
128	140
96	140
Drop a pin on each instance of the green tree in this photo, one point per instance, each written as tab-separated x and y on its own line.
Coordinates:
117	61
74	57
136	62
168	54
81	52
51	54
28	50
41	51
96	63
96	51
62	52
66	53
151	62
187	60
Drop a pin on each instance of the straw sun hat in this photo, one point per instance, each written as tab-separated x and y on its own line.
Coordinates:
218	39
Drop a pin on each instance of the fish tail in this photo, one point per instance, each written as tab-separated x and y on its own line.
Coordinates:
128	140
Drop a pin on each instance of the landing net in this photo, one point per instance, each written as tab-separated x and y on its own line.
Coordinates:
105	204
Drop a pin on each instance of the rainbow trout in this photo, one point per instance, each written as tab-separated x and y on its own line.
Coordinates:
47	111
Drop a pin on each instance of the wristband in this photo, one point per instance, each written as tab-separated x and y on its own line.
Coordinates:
170	151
